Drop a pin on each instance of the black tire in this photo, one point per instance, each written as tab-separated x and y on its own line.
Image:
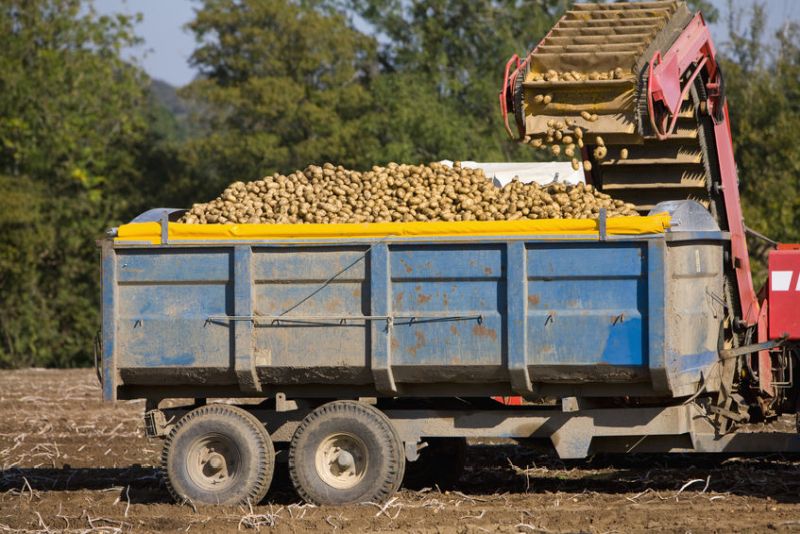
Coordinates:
440	464
214	435
372	473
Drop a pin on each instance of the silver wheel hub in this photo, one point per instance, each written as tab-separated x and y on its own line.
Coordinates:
216	461
345	460
341	460
213	462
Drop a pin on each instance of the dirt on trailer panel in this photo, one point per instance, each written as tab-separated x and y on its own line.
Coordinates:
69	462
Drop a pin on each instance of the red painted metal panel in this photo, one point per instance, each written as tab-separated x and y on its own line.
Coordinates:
666	83
510	80
784	293
740	257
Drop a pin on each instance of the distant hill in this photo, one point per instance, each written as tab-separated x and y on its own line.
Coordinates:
172	113
167	95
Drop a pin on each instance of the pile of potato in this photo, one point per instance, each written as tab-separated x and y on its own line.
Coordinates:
396	193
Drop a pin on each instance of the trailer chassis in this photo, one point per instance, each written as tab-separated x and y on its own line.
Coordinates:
573	433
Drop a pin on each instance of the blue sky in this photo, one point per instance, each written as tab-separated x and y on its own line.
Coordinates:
168	45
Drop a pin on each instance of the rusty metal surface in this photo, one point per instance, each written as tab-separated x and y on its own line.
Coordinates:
426	318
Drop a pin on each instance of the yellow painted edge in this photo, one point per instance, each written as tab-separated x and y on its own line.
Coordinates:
151	231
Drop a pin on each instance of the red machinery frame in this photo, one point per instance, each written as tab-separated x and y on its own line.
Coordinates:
509	79
671	77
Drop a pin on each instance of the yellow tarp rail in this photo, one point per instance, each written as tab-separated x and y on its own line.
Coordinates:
151	231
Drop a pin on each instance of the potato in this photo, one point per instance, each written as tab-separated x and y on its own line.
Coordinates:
600	152
333	194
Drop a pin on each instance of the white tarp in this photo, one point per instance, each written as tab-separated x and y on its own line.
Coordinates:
542	173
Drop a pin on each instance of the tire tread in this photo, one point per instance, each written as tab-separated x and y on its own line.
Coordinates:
354	409
266	456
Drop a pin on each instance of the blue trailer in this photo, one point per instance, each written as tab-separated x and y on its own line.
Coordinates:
367	350
429	316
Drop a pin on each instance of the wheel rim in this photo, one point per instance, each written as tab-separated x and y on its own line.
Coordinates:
341	460
213	462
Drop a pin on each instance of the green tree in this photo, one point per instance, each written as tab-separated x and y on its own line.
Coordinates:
709	11
763	86
409	121
282	85
456	50
70	132
286	83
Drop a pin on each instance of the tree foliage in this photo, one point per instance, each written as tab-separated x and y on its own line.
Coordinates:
762	78
282	85
456	50
70	121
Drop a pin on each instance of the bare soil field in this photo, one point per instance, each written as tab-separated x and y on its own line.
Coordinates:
71	463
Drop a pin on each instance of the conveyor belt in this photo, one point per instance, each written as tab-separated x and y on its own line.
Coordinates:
595	38
592	72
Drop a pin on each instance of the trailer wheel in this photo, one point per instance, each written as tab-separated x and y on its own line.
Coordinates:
440	464
346	452
218	454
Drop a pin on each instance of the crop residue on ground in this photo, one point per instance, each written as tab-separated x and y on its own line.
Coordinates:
69	462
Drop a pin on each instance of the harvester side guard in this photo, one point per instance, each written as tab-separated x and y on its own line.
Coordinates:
692	54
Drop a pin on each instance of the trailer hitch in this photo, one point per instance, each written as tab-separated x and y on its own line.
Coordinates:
729	414
730	354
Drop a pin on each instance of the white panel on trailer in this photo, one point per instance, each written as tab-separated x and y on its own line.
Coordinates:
540	172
